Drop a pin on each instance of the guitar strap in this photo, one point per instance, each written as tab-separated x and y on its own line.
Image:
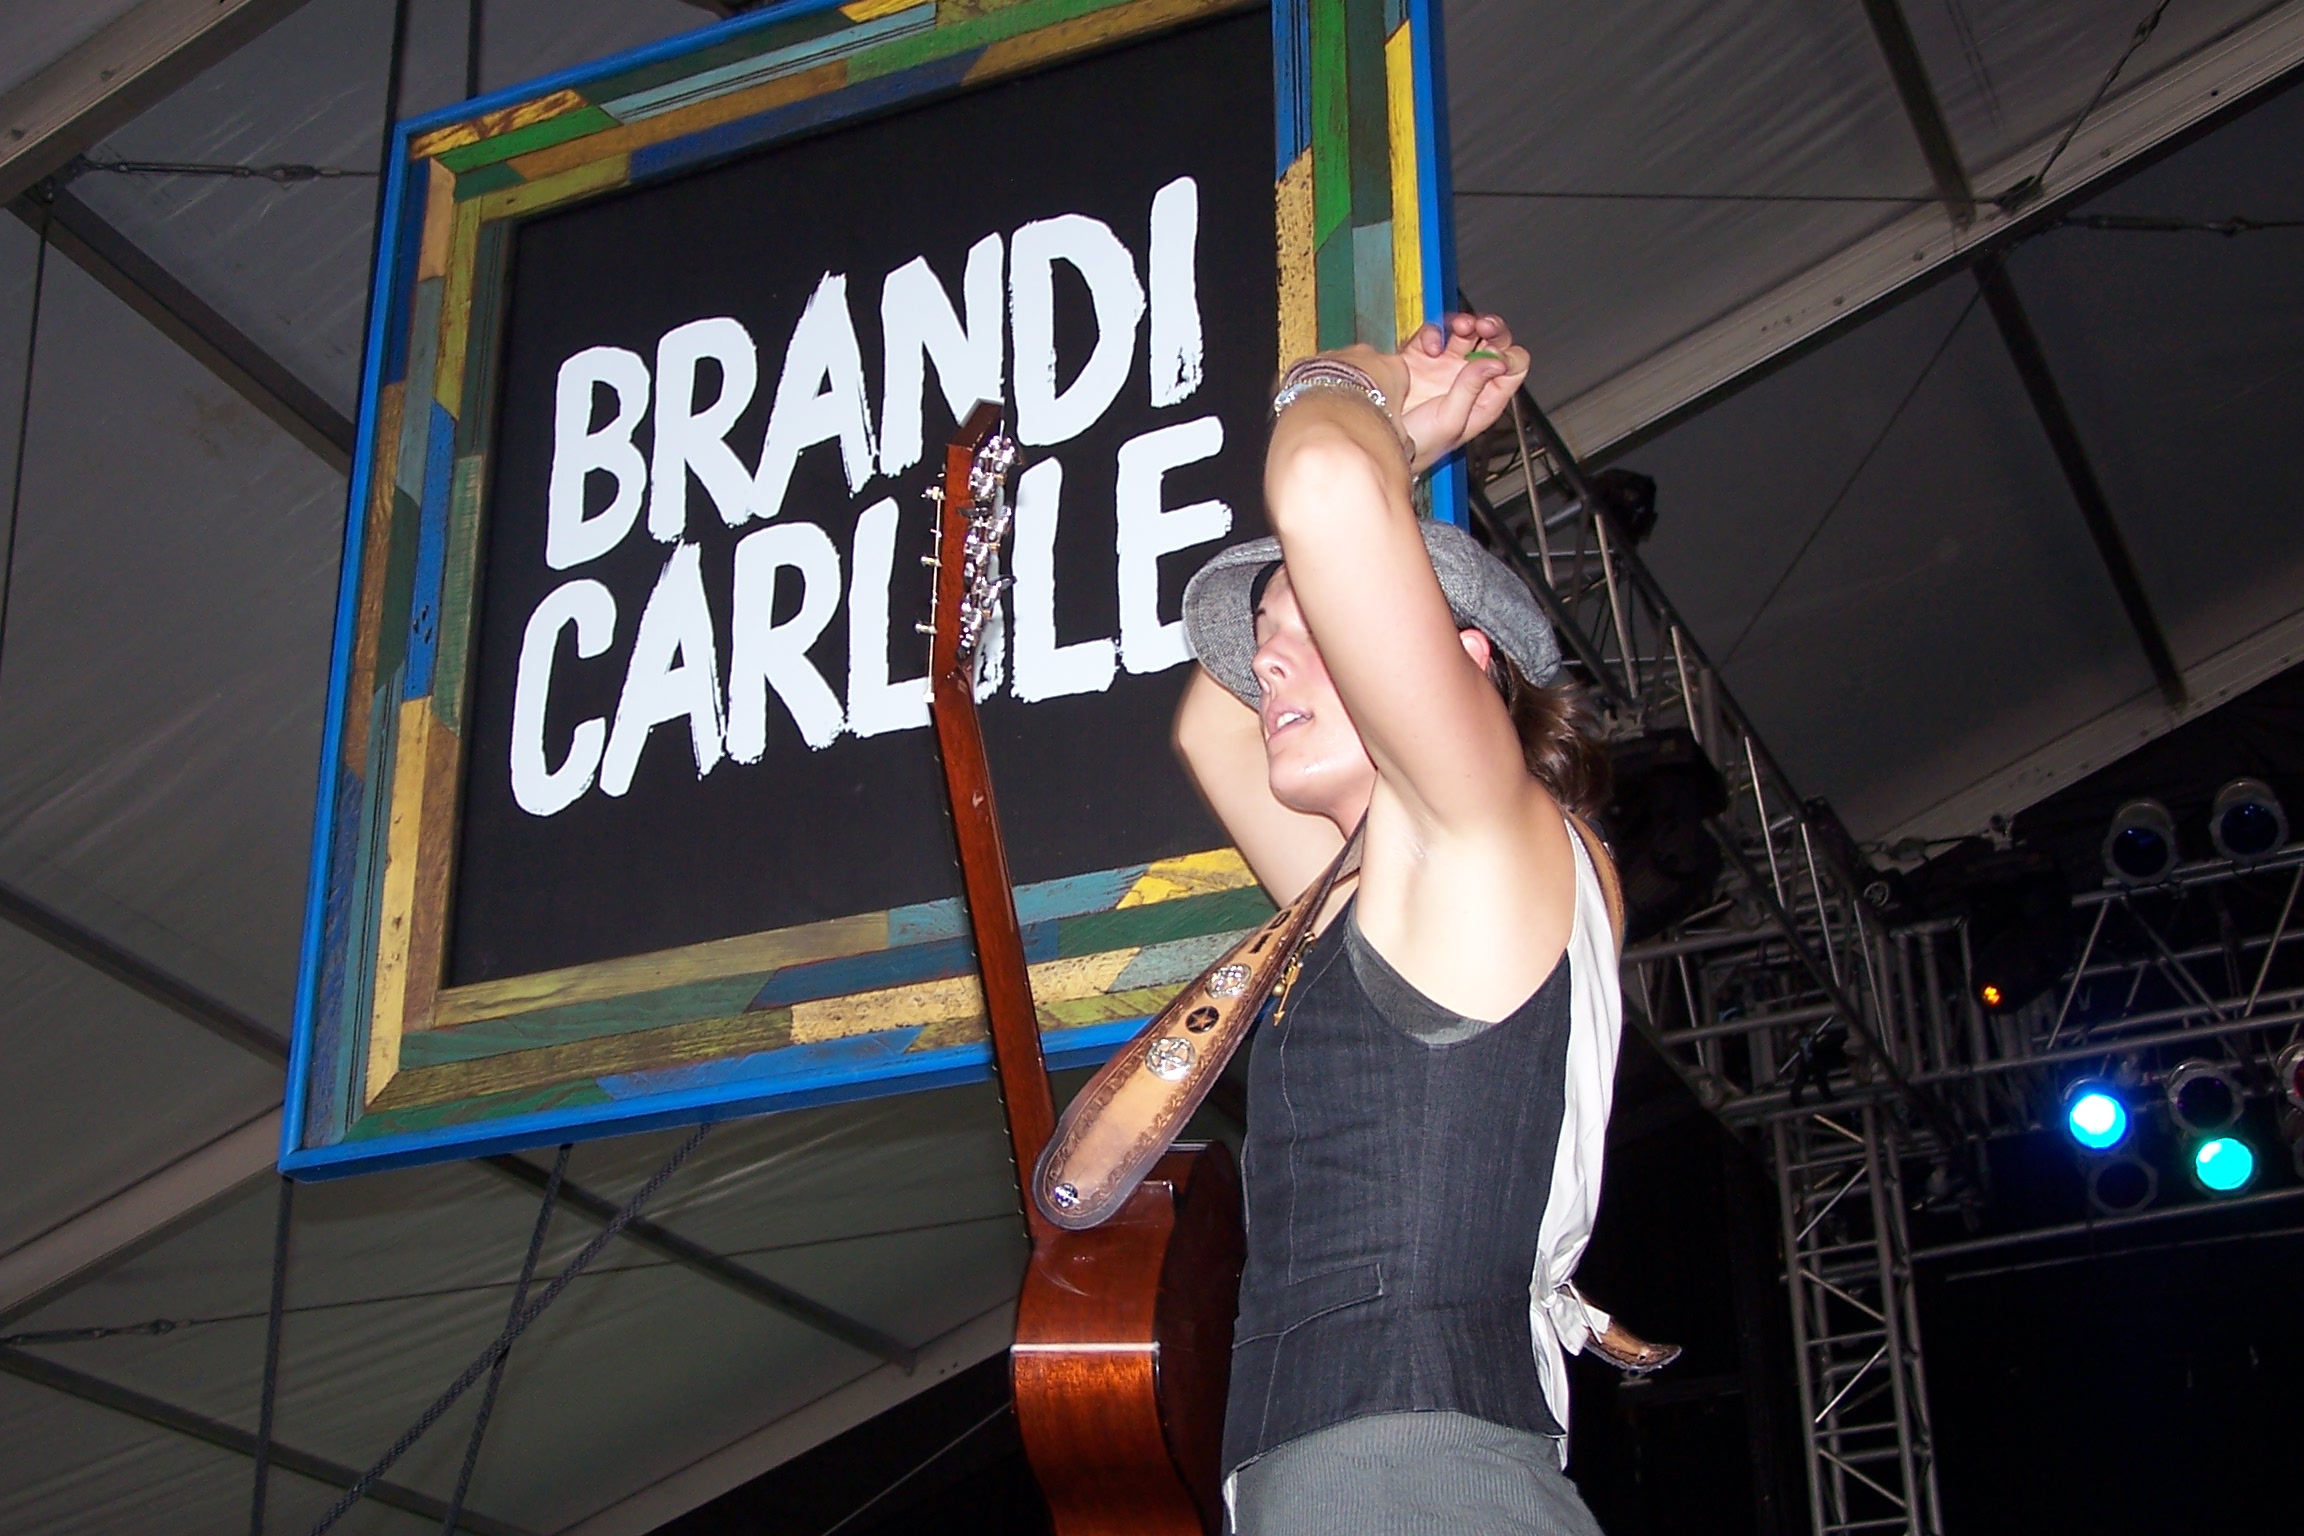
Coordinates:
1117	1127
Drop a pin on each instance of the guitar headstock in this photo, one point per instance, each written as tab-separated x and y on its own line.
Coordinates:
971	523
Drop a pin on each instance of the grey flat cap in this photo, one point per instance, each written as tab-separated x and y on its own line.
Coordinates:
1482	592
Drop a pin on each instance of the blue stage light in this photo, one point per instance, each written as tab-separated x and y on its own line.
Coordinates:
2095	1117
2224	1164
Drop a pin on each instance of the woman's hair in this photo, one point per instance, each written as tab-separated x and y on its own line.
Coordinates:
1558	733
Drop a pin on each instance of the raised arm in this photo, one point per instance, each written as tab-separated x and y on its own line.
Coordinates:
1222	745
1336	486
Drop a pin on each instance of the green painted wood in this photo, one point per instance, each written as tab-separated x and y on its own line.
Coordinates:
1368	111
552	130
800	29
1160	921
1331	127
453	666
1333	283
582	1021
976	32
501	1106
483	326
1375	317
486	179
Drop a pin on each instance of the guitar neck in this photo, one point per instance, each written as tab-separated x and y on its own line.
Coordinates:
1015	1022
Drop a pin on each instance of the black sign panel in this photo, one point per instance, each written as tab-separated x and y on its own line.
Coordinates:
697	704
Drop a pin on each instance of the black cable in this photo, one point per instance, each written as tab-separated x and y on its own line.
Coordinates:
1841	496
2169	224
23	423
158	1327
263	1458
1697	197
496	1376
504	1341
474	12
935	1456
283	174
2029	188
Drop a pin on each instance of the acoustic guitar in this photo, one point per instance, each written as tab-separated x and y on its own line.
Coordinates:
1123	1331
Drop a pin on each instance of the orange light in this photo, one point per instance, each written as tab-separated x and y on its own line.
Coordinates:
1991	995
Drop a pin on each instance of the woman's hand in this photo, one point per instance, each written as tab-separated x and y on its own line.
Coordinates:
1442	395
1460	375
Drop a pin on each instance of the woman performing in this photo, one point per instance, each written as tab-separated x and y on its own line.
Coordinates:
1426	1113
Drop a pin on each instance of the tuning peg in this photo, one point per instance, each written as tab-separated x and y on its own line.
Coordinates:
930	561
935	493
924	628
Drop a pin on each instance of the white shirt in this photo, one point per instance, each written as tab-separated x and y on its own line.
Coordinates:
1560	1322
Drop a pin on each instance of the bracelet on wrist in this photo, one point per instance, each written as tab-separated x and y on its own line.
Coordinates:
1327	373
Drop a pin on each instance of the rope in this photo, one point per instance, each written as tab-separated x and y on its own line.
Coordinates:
2030	187
496	1376
271	1360
505	1340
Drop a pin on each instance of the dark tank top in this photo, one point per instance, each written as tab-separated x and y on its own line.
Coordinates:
1398	1163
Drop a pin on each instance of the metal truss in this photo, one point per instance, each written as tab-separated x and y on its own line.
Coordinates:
1771	1001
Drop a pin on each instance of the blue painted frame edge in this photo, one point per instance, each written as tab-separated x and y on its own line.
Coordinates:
388	300
1087	1046
1437	216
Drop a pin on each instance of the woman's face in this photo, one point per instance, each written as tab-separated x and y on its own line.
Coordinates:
1312	751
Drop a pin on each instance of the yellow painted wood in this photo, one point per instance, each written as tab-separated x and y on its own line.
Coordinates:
375	555
537	165
873	10
674	1045
951	998
745	954
456	309
1079	33
489	124
1407	226
395	924
439	221
591	176
1299	292
1192	874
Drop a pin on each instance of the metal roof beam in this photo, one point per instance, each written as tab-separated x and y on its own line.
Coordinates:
107	79
1893	31
187	1001
226	1437
1816	302
695	1257
181	315
2025	351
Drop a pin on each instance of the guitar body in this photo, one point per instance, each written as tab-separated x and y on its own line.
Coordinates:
1124	1351
1124	1331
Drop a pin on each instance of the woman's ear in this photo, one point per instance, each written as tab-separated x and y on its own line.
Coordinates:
1477	646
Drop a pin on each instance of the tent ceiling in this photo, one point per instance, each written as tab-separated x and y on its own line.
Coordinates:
1941	644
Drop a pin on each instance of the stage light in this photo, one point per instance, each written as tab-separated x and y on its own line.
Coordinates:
2140	845
2121	1186
2205	1097
2094	1116
2224	1164
2288	1070
2246	821
1991	995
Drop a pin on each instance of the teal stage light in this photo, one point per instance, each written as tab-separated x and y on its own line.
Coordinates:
2095	1117
2224	1164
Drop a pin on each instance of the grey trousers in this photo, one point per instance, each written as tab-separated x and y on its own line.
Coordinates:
1410	1474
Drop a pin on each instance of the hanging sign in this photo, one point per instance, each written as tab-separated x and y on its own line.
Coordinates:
631	811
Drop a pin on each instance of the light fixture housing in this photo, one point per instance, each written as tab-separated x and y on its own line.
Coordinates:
2246	822
2224	1165
2095	1116
2205	1097
2140	845
2288	1070
2121	1185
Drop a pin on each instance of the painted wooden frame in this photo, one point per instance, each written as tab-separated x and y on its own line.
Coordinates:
388	1066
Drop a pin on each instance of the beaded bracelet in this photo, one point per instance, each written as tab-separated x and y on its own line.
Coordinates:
1328	373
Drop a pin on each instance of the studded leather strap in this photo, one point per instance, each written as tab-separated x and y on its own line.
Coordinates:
1115	1129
